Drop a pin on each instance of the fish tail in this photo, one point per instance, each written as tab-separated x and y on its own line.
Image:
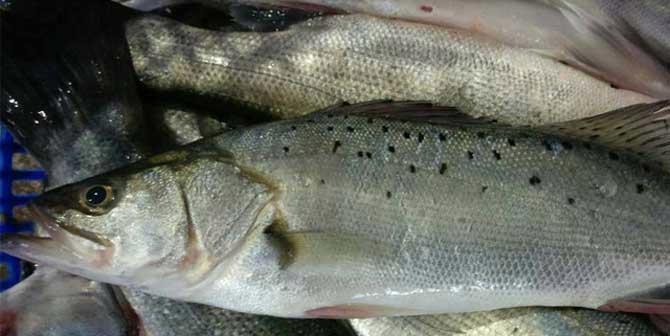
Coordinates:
68	88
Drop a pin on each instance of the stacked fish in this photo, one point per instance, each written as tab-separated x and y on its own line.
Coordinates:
313	167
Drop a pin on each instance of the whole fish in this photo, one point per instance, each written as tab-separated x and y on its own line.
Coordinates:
365	211
536	321
606	38
357	58
53	303
165	317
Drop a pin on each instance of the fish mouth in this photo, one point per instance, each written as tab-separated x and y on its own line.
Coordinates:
64	248
55	227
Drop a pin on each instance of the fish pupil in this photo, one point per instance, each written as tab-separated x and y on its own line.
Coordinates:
96	195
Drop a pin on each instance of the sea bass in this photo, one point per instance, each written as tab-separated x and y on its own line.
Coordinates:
346	213
53	303
537	321
600	37
357	58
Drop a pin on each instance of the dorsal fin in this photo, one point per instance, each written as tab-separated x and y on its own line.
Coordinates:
641	129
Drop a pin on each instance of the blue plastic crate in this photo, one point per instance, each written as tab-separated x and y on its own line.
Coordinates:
10	267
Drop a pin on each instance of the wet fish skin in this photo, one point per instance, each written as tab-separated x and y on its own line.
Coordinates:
348	216
356	58
535	321
600	37
53	303
165	317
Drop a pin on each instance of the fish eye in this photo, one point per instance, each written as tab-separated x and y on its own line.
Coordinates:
96	198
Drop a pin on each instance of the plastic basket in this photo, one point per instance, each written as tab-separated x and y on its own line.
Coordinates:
14	172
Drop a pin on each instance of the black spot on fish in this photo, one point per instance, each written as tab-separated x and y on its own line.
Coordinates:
310	120
285	149
620	321
496	155
360	154
515	330
370	121
329	115
385	129
566	145
369	155
323	181
547	145
481	135
420	137
614	86
484	188
534	180
330	128
406	135
471	155
443	168
595	136
442	137
391	149
646	168
293	128
640	188
614	156
587	145
388	194
336	145
571	200
350	129
412	169
511	142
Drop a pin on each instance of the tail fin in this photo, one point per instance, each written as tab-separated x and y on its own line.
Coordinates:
68	90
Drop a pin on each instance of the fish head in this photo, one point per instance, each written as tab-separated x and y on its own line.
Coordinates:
159	225
118	225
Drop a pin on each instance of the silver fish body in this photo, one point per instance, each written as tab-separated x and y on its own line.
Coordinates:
52	303
606	38
356	58
337	215
535	321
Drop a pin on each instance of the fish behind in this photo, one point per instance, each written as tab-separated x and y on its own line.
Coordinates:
357	58
609	39
535	321
53	303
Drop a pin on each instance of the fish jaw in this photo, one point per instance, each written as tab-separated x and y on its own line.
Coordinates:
61	250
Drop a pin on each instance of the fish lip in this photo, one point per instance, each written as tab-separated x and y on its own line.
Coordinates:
54	227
